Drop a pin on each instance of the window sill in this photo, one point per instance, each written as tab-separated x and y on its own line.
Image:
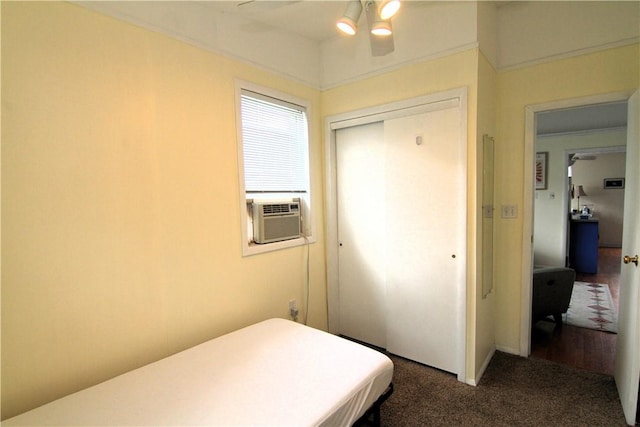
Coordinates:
255	249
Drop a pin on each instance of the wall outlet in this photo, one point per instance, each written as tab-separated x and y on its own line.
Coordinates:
293	309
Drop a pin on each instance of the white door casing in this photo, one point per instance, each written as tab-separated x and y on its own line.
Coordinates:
627	365
528	203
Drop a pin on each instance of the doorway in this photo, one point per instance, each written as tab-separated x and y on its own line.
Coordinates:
387	228
532	196
576	200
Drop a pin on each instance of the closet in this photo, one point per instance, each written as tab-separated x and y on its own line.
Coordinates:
400	199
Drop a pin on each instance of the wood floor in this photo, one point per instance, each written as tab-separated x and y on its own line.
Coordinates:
580	347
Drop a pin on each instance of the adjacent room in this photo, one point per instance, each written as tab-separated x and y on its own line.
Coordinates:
176	174
578	223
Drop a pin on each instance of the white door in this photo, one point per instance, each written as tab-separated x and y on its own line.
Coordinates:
627	367
401	198
360	200
426	217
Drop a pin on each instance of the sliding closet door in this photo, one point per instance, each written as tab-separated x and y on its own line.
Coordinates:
361	232
425	244
401	221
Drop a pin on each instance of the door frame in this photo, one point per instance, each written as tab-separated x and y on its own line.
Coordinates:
528	199
370	115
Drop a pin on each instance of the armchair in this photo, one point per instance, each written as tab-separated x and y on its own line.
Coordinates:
552	287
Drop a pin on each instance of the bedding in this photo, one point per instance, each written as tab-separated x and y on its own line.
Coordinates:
276	373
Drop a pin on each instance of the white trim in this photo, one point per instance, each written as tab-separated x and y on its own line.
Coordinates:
482	369
254	249
527	231
383	70
582	132
308	222
508	350
611	149
462	287
445	99
394	111
528	201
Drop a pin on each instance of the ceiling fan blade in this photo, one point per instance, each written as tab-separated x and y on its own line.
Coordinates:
260	6
380	45
579	156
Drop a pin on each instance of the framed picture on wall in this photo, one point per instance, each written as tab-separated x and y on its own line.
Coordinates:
541	170
610	183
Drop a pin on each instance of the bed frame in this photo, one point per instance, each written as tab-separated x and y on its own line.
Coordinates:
371	417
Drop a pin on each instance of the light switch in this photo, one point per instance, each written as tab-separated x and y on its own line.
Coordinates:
509	211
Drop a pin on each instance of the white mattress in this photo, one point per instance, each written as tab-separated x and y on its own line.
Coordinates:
273	373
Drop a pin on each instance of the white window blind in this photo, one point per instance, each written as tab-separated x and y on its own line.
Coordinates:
275	144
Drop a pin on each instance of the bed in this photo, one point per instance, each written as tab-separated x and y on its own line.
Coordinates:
276	373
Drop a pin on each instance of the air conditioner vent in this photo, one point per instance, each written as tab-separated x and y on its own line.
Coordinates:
276	208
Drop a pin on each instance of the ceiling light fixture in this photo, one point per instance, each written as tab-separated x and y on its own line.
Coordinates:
388	8
381	28
348	23
380	32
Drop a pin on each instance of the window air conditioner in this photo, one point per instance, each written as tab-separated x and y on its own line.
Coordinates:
275	220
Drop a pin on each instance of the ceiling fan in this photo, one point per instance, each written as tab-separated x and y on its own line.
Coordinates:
581	156
378	21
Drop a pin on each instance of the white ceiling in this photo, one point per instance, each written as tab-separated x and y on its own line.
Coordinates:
314	20
293	16
600	116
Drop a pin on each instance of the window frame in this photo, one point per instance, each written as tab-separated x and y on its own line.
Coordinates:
307	222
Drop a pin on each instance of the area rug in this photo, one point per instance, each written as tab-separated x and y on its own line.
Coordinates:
592	307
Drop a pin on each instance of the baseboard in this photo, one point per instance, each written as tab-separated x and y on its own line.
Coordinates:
485	365
509	350
483	368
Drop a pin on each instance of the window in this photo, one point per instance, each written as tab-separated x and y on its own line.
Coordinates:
274	141
273	153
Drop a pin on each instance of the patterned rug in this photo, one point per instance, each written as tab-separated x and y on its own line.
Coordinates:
592	307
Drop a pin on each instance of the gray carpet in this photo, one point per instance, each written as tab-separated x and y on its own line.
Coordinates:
514	391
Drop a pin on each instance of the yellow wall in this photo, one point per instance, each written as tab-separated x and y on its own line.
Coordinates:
120	221
604	72
454	71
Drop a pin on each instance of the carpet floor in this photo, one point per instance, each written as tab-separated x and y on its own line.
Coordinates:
513	391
